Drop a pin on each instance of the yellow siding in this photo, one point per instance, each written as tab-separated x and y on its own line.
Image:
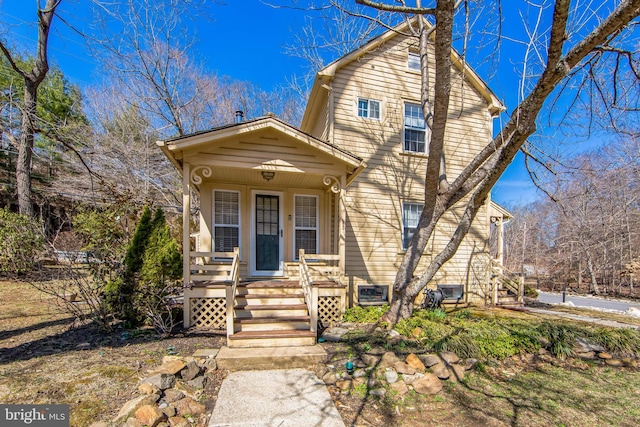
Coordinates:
374	200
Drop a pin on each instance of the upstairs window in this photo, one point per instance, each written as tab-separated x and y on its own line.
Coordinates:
413	61
368	108
410	217
415	129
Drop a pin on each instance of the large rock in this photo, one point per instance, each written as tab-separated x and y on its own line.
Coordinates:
179	422
149	415
470	363
429	384
370	359
344	385
440	371
169	367
404	368
188	406
583	346
330	378
190	371
430	359
390	375
400	387
457	372
415	362
162	381
198	382
172	395
147	388
449	357
127	410
388	360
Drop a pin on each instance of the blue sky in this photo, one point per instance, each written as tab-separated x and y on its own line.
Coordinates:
226	45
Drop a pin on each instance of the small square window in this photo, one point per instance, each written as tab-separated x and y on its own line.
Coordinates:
413	61
368	108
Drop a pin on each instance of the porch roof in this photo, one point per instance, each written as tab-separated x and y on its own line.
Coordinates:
176	148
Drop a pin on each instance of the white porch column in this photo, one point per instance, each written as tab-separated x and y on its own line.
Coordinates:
342	226
500	255
186	242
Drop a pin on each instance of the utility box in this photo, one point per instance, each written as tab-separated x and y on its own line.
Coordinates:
373	294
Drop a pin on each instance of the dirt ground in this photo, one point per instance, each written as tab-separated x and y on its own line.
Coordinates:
46	358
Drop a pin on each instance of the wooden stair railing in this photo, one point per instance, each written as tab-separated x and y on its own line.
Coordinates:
509	280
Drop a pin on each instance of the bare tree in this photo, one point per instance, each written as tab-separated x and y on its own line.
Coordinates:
32	79
573	46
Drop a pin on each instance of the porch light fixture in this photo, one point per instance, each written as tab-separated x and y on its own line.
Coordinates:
268	175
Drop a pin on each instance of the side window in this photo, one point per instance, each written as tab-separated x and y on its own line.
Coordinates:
415	129
226	220
305	225
369	108
413	61
410	217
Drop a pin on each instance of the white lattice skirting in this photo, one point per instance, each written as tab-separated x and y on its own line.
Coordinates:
329	309
208	313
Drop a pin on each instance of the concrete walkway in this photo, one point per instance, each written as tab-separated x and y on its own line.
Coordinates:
276	398
595	320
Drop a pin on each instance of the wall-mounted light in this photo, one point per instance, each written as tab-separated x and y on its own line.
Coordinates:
268	175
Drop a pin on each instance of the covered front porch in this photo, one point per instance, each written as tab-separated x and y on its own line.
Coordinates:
269	208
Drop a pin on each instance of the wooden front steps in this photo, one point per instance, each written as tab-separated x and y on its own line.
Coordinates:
271	314
507	298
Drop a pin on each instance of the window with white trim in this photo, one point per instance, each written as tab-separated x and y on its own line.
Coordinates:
305	225
413	61
415	129
369	108
410	217
226	220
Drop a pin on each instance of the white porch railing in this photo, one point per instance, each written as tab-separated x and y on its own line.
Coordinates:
501	276
314	267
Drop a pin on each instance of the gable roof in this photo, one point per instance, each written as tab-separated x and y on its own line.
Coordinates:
174	147
320	85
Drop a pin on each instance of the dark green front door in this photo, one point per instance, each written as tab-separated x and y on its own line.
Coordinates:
267	232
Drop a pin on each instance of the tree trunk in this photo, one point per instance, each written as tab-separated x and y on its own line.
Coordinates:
25	150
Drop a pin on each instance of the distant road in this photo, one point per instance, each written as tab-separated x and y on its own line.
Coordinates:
590	302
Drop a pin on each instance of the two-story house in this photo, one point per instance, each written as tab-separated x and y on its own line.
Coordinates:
313	213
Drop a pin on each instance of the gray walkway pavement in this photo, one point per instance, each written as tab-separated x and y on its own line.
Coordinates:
276	398
595	320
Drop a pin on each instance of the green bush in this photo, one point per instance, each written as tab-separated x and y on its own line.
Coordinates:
22	242
369	314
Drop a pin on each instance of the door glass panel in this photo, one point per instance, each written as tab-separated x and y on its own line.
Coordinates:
267	227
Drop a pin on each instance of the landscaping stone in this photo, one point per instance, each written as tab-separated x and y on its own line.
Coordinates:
169	411
449	357
344	385
404	368
190	371
457	372
415	362
172	395
430	359
205	353
470	363
149	415
393	334
147	388
359	373
587	355
370	359
170	367
133	422
358	363
440	371
129	408
334	334
321	369
198	382
330	378
390	375
631	363
584	346
429	384
162	381
388	360
400	387
409	379
189	406
614	362
378	392
179	422
604	355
